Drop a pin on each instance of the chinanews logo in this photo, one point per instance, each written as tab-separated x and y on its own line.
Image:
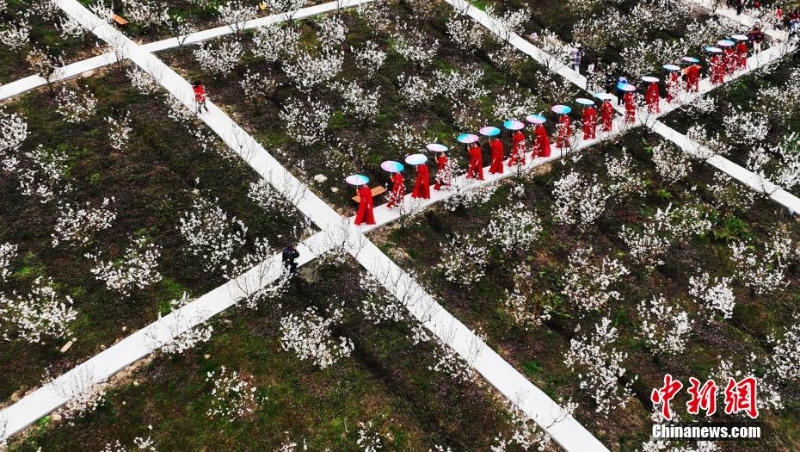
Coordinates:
738	397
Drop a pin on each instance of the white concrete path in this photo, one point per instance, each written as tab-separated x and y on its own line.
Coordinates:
562	427
777	50
69	71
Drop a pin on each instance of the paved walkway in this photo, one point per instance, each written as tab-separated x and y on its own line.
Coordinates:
26	84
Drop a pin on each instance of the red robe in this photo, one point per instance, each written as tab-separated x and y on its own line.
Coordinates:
199	93
741	53
398	190
589	122
630	107
652	98
541	147
717	70
564	131
365	206
475	170
422	186
517	154
672	86
443	173
607	116
497	157
693	78
731	60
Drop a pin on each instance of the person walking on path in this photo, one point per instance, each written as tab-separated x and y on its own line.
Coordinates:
398	191
577	56
444	174
497	156
199	96
564	131
652	98
517	149
693	78
589	120
288	257
630	107
541	145
757	37
607	115
741	55
422	184
475	170
365	206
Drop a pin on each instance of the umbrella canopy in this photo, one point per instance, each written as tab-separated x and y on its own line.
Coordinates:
357	179
467	138
584	101
416	159
739	37
536	119
689	59
603	96
489	131
650	79
672	67
513	124
436	147
725	43
561	109
392	166
626	87
712	49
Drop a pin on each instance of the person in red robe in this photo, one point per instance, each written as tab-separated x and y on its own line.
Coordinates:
475	170
497	156
199	95
730	60
607	115
365	205
564	131
517	149
717	70
741	54
653	98
422	185
444	175
693	78
541	146
398	190
673	85
630	107
589	120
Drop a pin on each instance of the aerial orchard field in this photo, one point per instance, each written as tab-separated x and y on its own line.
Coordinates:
180	268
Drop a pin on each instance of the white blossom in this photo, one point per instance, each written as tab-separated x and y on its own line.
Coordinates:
221	59
145	13
8	252
76	107
671	165
119	131
188	339
768	396
308	71
717	296
514	229
603	367
578	200
748	128
37	314
257	86
463	261
369	440
15	35
705	146
69	27
454	84
369	58
306	121
13	131
586	284
665	329
233	397
414	90
309	336
332	31
450	363
235	14
361	103
524	302
625	181
44	175
212	237
465	33
784	360
414	46
137	269
513	103
763	274
287	7
142	81
79	226
467	193
273	42
379	306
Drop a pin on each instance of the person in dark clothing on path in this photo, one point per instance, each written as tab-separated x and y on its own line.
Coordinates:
288	257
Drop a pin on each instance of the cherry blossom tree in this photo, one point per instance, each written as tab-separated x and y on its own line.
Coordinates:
219	59
308	335
233	396
78	226
119	130
137	269
714	295
76	107
463	260
8	252
514	229
235	14
212	236
369	58
587	281
38	315
784	361
665	329
578	200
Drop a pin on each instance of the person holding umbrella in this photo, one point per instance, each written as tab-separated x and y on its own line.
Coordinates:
606	112
398	186
716	64
692	74
630	102
673	82
589	118
496	147
444	175
741	51
365	203
422	184
564	126
517	141
652	97
541	142
475	169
